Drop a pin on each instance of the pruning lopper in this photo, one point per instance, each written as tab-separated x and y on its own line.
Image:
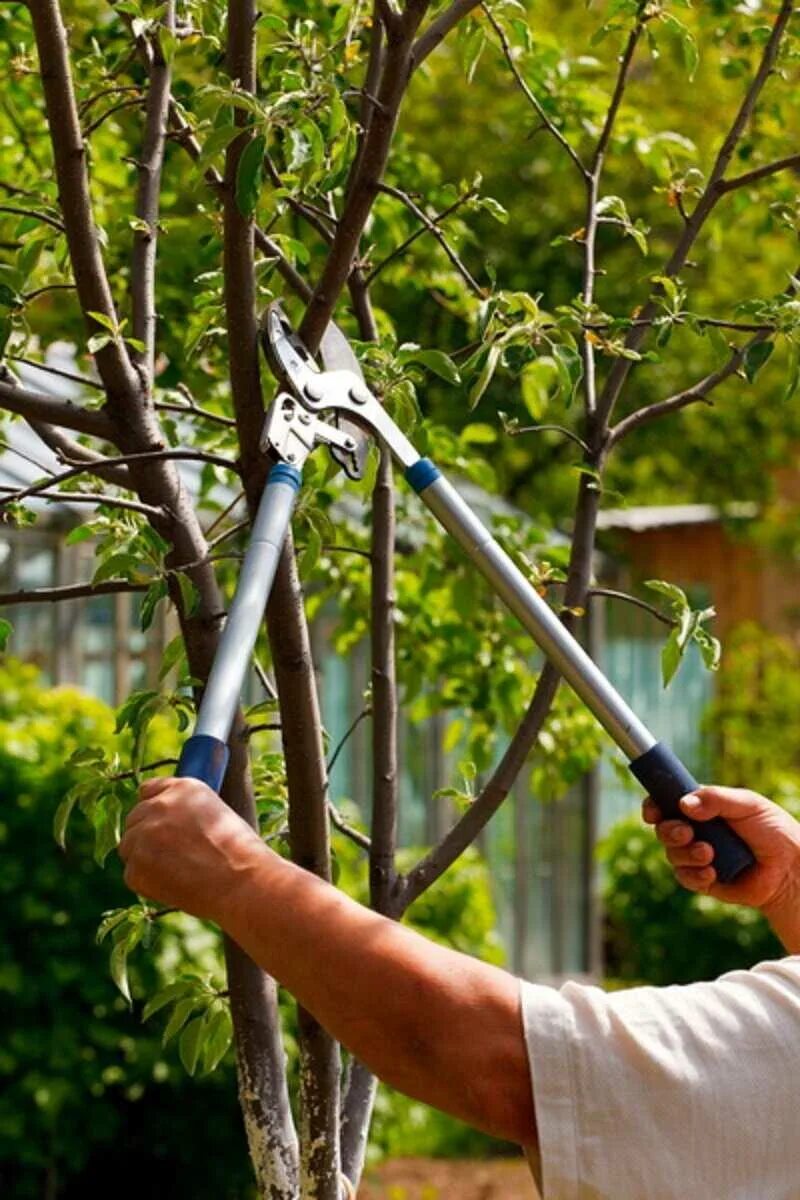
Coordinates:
335	408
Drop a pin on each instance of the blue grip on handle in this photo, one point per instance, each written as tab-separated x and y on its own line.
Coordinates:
666	779
204	758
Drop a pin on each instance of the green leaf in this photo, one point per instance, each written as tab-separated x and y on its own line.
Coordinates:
107	821
178	1018
119	959
191	1042
174	653
676	596
98	341
537	382
219	1035
671	655
8	297
435	360
111	920
249	175
710	648
6	629
154	594
755	357
62	816
168	995
190	596
81	533
490	356
107	322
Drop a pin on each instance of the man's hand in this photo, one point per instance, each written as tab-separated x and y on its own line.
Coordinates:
185	848
772	885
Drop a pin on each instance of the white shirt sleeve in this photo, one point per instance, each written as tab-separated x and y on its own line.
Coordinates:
669	1093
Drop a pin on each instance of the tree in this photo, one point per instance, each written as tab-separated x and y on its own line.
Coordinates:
263	151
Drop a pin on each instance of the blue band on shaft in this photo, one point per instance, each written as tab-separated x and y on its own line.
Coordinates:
422	474
283	473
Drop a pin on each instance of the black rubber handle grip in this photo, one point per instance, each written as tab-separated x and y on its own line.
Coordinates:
666	779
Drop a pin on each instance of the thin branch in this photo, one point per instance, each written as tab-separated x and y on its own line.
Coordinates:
567	433
116	90
25	457
611	594
618	374
439	28
530	95
355	835
34	214
74	591
196	411
148	195
619	89
365	712
147	510
70	375
137	102
429	225
47	287
36	406
791	162
124	460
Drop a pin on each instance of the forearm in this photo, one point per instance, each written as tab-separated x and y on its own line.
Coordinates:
784	918
437	1025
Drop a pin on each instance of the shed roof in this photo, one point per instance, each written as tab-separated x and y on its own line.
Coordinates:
641	518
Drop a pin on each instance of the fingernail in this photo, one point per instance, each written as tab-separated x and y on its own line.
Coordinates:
699	853
691	801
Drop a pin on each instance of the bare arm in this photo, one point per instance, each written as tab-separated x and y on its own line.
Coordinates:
435	1024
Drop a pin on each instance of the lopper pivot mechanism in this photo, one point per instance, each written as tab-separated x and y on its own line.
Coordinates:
335	408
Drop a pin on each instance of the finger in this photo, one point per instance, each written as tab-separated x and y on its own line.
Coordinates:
127	845
731	803
696	879
140	812
651	813
698	855
153	787
674	833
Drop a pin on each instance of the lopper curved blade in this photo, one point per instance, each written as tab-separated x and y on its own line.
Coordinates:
290	360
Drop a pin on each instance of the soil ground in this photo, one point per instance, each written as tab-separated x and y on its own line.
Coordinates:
442	1179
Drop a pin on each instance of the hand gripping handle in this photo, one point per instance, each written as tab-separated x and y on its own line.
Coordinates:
666	780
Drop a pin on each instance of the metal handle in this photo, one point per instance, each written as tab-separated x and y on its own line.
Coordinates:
653	764
205	754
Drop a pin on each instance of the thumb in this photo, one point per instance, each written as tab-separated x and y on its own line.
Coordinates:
731	803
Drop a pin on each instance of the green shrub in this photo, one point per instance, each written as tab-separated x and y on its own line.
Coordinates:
87	1092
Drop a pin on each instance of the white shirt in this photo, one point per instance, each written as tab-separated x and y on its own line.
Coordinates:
676	1093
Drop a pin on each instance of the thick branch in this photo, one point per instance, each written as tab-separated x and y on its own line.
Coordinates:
439	28
36	406
69	157
364	181
72	453
148	193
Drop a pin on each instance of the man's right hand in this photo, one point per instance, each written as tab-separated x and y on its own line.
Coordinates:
772	885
